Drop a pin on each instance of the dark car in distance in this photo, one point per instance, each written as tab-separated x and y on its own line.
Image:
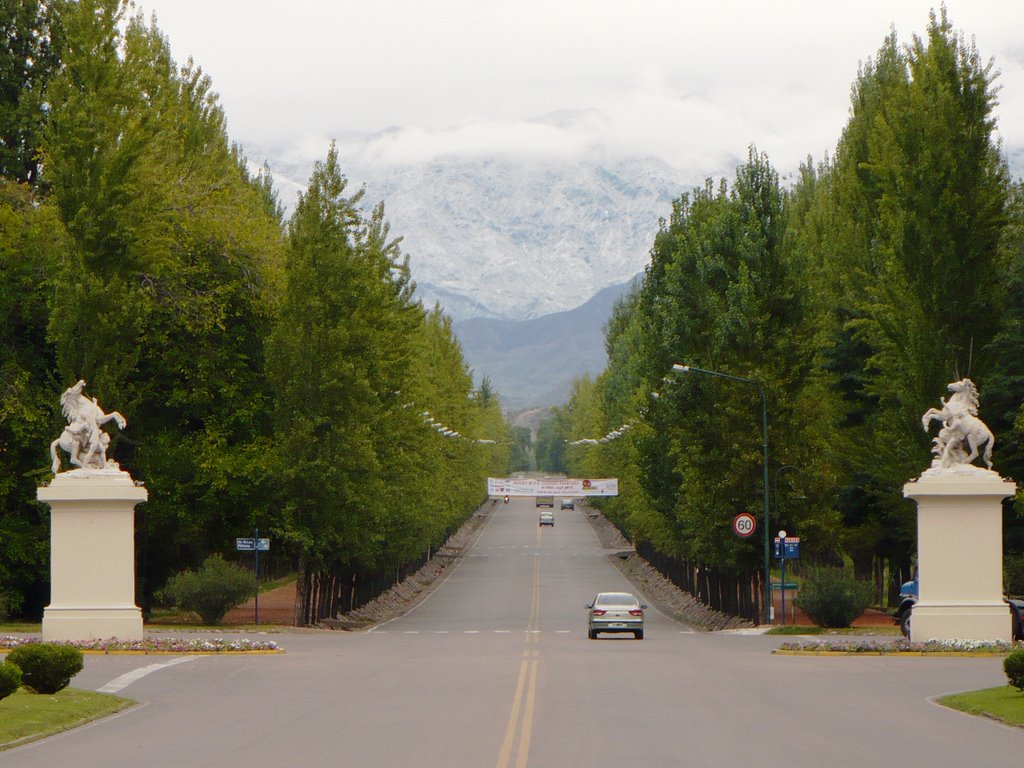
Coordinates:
909	596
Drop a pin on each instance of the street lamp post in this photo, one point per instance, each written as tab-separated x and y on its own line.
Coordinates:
764	449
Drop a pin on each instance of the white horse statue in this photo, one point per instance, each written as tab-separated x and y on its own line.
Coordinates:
961	427
82	438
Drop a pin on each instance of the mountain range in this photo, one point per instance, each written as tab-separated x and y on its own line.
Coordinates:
526	254
503	233
532	363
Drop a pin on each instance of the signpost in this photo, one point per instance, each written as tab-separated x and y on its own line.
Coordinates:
254	545
786	549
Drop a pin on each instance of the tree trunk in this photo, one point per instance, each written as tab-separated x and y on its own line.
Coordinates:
301	593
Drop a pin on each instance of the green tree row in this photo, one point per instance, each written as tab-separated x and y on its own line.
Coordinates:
274	374
852	297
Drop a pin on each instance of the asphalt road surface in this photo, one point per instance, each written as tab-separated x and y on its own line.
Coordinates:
495	669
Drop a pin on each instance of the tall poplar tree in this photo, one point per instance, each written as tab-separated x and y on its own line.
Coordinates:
337	359
30	43
910	214
167	287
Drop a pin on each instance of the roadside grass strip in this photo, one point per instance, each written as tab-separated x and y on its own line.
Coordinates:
973	648
804	629
1005	704
216	645
26	717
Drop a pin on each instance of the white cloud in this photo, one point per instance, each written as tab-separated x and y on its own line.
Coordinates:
692	81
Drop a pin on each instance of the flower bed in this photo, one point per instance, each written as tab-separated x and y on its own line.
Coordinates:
898	647
157	645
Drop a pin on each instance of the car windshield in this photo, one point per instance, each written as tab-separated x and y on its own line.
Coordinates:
615	598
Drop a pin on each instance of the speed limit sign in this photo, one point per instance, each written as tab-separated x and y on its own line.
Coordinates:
744	524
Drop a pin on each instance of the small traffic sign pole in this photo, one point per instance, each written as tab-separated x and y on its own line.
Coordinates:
782	536
256	552
786	548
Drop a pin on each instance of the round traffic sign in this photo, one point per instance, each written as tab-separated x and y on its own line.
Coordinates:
744	524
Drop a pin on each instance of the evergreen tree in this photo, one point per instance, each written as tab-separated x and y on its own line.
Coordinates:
338	354
165	294
909	219
30	43
31	244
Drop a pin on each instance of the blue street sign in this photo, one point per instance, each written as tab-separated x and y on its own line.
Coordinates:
789	551
263	545
248	545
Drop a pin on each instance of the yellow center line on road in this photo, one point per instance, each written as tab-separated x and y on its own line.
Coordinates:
525	699
513	721
527	729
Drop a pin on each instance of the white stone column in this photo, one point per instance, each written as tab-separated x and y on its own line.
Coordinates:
92	556
960	555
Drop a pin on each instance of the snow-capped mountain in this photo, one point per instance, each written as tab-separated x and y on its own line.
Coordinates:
502	234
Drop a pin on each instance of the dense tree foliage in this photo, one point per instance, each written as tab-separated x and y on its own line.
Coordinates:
273	374
850	298
279	374
30	44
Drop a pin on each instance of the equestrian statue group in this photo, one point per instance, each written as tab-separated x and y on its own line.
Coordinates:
963	435
82	438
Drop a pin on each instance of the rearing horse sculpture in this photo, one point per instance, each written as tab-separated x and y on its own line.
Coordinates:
82	438
960	426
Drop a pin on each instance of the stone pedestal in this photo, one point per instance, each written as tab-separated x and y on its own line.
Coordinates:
960	555
92	556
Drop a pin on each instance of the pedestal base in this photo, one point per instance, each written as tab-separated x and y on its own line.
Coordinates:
960	555
61	624
986	623
92	556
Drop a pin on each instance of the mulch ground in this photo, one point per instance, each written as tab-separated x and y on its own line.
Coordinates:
276	607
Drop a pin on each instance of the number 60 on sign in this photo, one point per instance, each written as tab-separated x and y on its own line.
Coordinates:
744	524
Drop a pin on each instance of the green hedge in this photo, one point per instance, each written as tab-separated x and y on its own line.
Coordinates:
10	678
46	667
1013	666
213	590
833	597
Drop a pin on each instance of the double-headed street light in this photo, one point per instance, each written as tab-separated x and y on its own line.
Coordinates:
764	446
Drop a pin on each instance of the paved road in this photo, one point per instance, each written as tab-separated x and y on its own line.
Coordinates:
495	669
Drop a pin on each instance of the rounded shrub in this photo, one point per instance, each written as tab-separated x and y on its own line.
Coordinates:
46	667
10	678
1013	666
833	597
213	590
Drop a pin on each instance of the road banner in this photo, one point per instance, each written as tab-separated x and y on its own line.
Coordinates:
552	486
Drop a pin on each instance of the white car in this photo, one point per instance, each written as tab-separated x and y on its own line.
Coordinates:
546	518
615	612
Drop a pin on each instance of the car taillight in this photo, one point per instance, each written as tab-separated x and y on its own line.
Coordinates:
598	612
636	612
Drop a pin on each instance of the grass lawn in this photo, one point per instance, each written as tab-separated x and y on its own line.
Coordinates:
1004	703
20	626
29	716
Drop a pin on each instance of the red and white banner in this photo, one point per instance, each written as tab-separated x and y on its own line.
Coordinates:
552	486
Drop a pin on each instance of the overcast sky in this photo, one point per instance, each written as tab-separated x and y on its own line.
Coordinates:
690	81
